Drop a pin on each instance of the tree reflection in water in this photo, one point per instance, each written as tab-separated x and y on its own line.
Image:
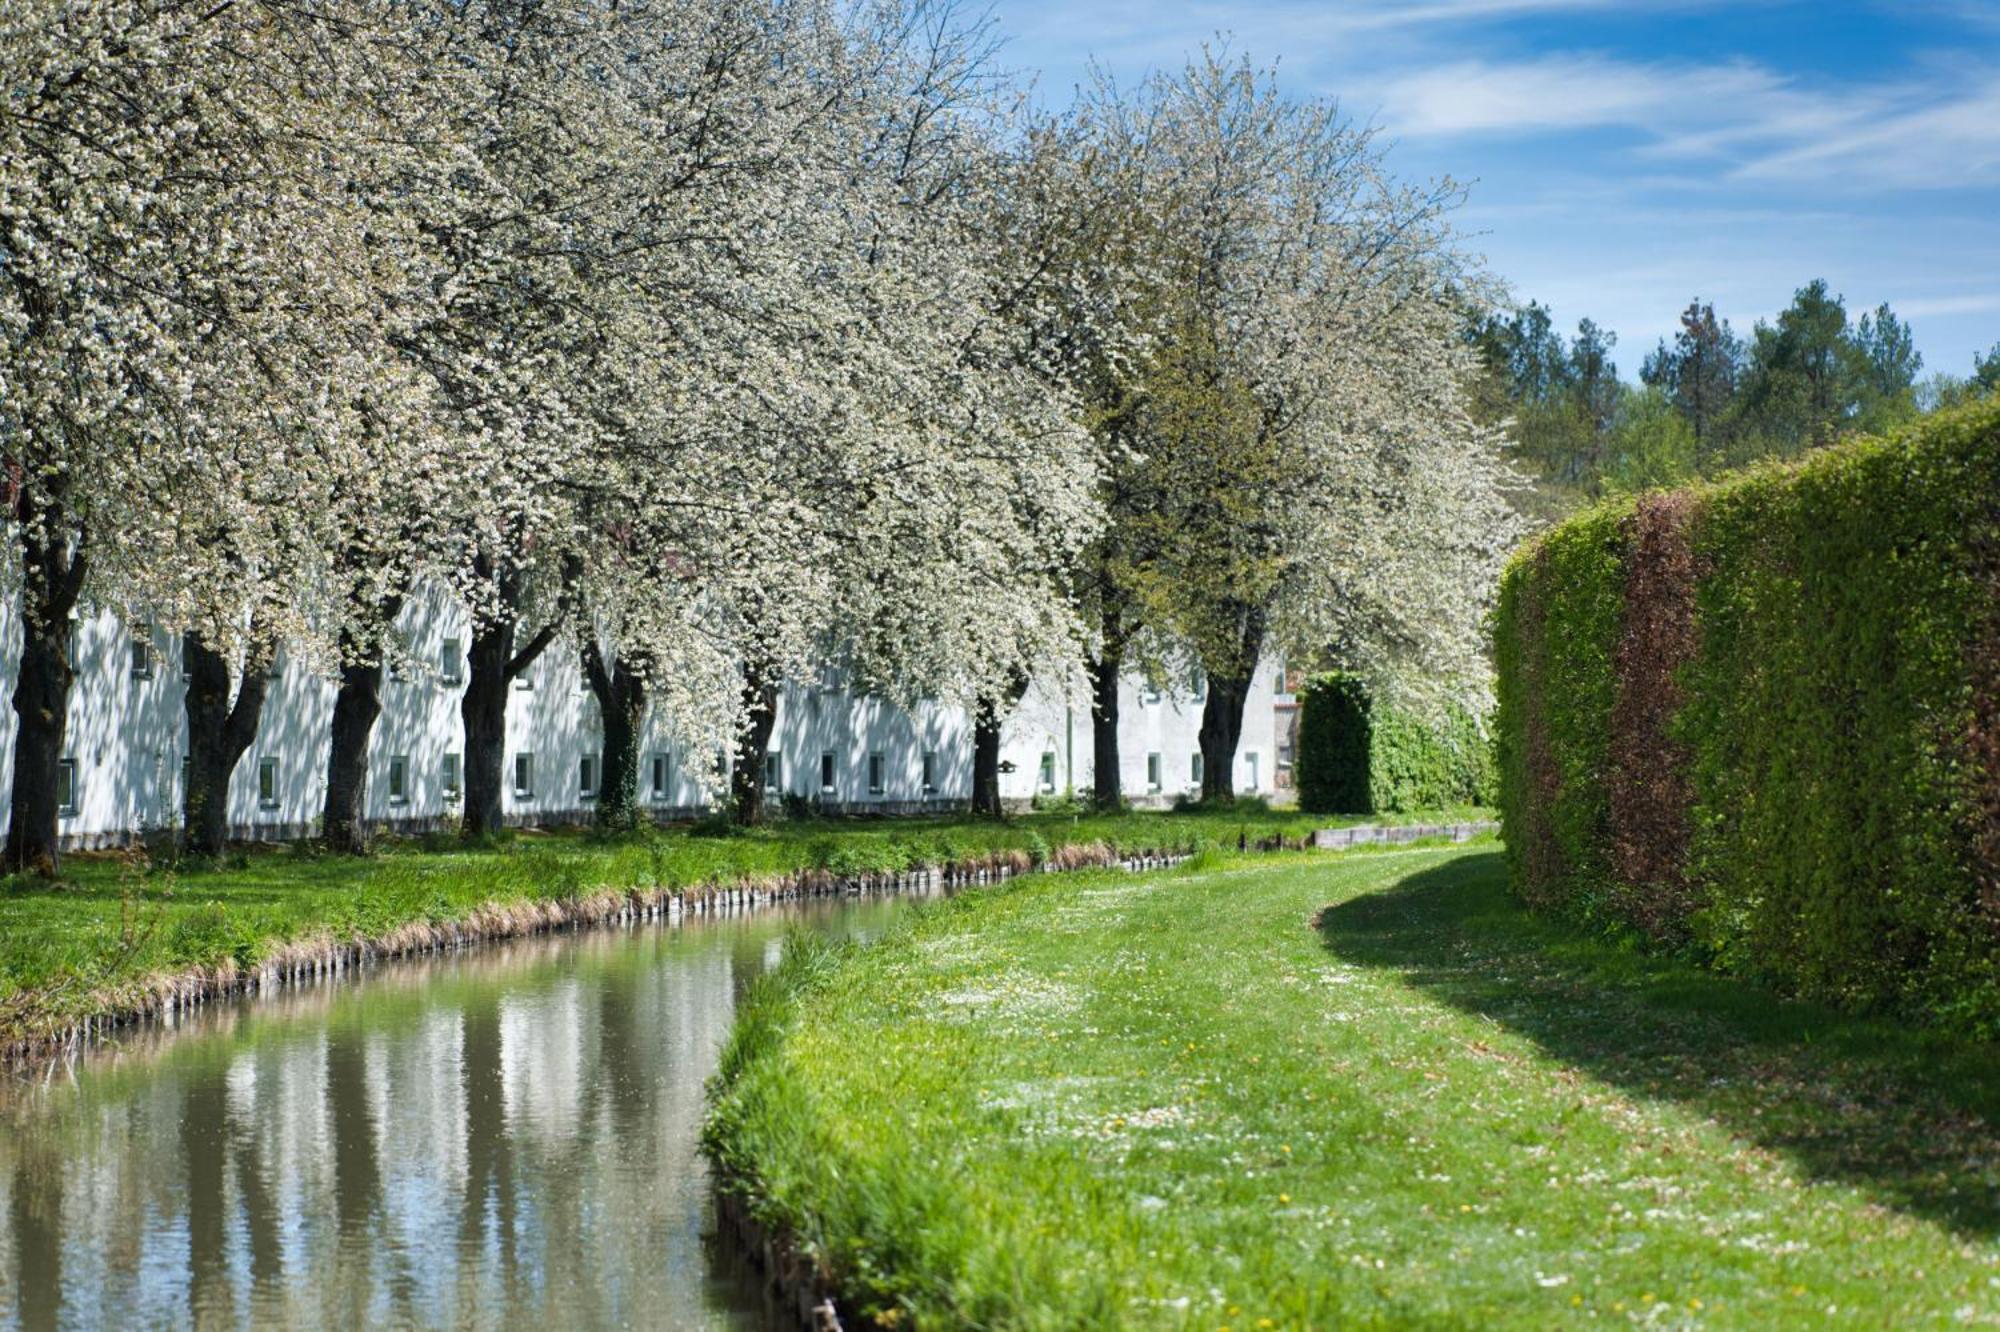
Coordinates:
506	1137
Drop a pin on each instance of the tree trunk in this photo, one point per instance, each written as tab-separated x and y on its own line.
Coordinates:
620	689
52	579
1107	784
483	711
492	666
355	708
1222	714
989	715
760	706
219	732
41	707
986	759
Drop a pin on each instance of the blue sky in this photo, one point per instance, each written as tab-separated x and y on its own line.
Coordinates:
1624	157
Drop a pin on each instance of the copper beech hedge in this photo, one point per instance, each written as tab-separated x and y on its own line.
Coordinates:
1759	720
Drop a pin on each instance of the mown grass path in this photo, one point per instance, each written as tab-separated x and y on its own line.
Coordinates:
1361	1089
116	928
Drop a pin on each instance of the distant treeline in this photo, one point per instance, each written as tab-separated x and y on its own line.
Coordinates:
1709	400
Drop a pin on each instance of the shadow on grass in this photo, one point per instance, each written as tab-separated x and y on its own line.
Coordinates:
1908	1116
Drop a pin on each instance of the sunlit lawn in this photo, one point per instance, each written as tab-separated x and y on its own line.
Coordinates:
1357	1089
66	948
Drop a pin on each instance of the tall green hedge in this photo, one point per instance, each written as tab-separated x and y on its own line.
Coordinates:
1760	720
1359	757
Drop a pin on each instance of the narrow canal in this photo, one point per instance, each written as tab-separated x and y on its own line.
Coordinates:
501	1138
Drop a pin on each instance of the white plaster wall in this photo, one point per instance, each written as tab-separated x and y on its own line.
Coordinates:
128	736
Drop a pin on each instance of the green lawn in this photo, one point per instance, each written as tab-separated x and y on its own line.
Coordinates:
1359	1089
88	943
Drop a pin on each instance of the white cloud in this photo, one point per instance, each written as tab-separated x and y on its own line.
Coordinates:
1566	92
1940	132
1926	307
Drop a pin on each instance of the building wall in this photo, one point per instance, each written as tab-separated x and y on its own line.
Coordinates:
127	737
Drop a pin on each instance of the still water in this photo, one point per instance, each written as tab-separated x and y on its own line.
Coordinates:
501	1138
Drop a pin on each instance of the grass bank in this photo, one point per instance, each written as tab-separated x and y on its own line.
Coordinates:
118	935
1346	1090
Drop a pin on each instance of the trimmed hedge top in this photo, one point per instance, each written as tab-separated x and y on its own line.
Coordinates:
1761	719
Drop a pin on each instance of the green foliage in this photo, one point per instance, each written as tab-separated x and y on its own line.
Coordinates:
1651	443
1356	757
1332	762
1841	608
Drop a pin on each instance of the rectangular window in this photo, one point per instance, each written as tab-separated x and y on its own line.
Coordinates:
142	651
1194	769
1256	778
399	779
524	776
449	778
66	787
774	773
276	670
525	681
1200	684
451	662
1048	774
187	659
586	776
826	772
877	774
582	671
1152	772
930	771
659	777
1149	693
75	645
267	783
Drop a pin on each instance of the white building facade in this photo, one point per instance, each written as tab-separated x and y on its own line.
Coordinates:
123	763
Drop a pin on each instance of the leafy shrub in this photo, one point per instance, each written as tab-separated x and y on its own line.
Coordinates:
1358	757
1756	719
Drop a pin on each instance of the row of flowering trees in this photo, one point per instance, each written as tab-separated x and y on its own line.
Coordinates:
715	340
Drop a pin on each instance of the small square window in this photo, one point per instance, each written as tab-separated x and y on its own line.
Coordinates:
399	780
1048	773
450	777
525	681
187	658
774	773
267	783
75	645
1152	772
276	670
142	651
1149	694
877	774
930	771
1194	769
66	787
524	776
660	777
451	662
586	777
826	772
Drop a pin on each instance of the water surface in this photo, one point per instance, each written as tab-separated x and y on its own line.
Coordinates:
500	1138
